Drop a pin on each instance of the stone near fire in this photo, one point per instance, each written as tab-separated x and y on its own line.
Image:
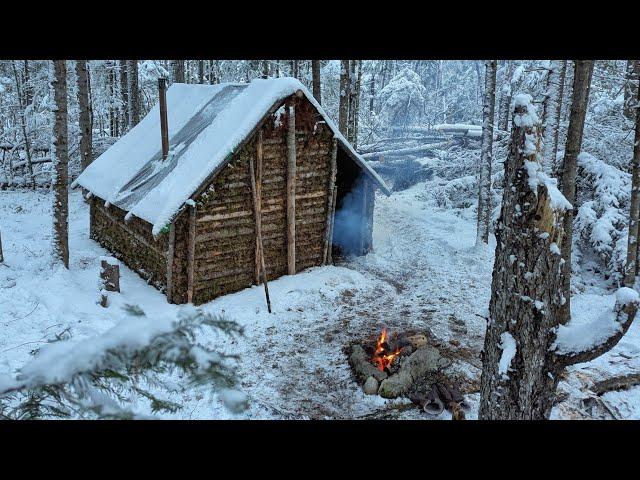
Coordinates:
370	386
424	361
362	365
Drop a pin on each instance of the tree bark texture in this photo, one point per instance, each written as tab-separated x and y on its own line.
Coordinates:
632	75
525	291
583	71
60	154
631	268
552	105
317	87
343	108
486	156
84	117
134	94
177	67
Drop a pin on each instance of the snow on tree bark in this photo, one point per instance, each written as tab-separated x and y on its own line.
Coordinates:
84	116
631	268
552	105
525	293
125	113
583	71
484	178
343	108
632	76
505	97
177	68
60	159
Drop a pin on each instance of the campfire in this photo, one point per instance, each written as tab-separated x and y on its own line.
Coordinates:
382	357
407	365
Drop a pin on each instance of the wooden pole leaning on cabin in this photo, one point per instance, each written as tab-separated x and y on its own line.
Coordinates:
191	251
256	190
364	227
291	188
334	195
170	253
330	201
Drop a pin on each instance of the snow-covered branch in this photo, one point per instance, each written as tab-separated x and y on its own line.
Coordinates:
578	343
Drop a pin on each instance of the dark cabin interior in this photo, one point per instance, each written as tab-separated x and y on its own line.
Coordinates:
349	216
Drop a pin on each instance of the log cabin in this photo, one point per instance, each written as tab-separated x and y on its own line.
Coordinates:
219	183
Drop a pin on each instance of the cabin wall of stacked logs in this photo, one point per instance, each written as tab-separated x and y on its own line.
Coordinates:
129	241
225	239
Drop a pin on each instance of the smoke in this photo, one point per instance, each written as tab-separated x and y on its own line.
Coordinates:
347	229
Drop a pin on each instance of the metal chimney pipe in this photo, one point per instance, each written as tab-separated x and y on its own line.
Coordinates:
164	123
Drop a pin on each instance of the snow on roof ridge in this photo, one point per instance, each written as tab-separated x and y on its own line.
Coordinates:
222	135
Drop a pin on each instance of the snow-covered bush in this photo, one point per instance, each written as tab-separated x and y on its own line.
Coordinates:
600	227
102	377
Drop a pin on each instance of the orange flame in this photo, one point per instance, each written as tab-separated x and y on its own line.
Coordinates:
380	357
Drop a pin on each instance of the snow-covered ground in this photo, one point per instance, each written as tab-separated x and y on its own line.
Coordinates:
424	274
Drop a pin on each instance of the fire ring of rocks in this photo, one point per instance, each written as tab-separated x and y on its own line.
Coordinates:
406	365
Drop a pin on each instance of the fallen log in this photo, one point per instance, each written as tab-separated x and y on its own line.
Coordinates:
406	151
616	383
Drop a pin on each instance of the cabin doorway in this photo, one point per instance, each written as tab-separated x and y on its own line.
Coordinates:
351	229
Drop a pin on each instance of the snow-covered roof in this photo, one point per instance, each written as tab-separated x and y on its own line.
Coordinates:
206	124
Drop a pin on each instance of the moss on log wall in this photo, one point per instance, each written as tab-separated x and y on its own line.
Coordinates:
131	242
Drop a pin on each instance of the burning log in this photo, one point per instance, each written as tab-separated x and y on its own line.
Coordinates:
425	361
362	366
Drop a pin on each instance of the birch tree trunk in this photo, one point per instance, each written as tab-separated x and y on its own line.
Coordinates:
317	87
515	382
631	268
505	97
631	88
583	70
352	102
343	108
84	117
134	94
552	105
484	177
60	158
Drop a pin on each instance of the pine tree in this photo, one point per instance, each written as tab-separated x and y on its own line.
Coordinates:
60	158
133	94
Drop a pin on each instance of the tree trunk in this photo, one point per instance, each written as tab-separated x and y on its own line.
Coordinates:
23	126
631	88
356	108
125	113
28	88
352	100
484	178
200	71
134	94
552	104
343	108
60	158
583	71
517	380
553	151
631	268
84	117
505	97
177	67
317	87
113	117
265	69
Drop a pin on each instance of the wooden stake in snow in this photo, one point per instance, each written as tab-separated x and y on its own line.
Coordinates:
330	201
110	277
256	189
1	256
291	189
